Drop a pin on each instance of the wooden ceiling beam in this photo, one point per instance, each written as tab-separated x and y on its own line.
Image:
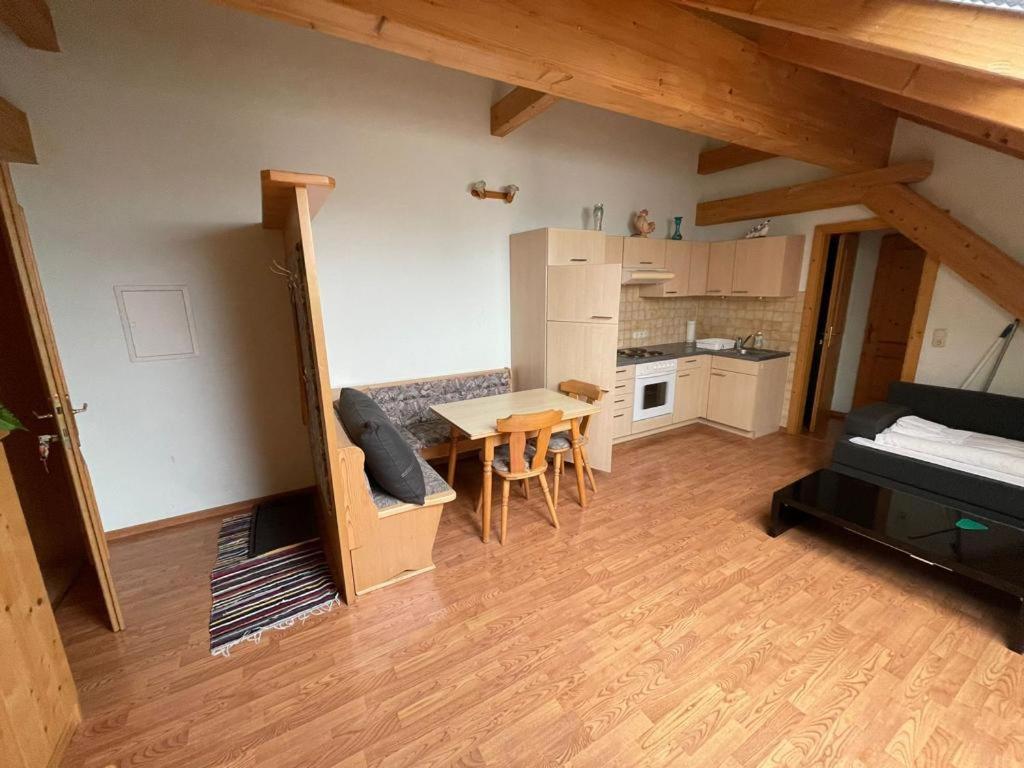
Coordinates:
31	21
984	133
979	262
277	192
811	196
518	106
728	157
960	37
651	60
15	135
978	96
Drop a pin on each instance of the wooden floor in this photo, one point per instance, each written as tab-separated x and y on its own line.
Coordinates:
660	627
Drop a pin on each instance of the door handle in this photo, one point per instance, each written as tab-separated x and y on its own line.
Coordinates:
579	259
718	374
42	416
83	409
600	317
828	337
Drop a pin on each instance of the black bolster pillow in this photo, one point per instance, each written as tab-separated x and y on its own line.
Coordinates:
868	420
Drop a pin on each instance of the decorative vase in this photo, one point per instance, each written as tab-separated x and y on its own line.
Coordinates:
598	216
678	235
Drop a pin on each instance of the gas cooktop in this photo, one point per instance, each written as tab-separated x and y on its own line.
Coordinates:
638	352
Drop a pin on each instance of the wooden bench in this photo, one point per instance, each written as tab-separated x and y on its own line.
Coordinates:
389	540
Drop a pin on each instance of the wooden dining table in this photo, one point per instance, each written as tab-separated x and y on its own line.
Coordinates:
477	420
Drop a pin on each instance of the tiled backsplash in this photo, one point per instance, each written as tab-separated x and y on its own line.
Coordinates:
665	321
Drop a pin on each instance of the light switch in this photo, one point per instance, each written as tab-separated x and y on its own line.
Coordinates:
939	337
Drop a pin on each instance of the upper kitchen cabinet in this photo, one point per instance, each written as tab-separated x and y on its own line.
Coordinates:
677	261
613	249
721	264
700	253
573	246
643	253
588	293
767	266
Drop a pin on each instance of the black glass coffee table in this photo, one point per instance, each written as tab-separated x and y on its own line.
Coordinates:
958	539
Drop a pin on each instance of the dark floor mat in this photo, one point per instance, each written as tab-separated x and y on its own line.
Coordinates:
283	522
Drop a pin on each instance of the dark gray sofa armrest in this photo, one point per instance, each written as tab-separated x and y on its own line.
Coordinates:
868	420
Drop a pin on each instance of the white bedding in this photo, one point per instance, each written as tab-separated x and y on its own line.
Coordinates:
997	458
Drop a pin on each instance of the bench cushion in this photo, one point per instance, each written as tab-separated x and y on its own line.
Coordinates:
390	460
409	403
424	434
433	482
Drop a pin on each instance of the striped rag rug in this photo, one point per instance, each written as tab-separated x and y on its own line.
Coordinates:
272	591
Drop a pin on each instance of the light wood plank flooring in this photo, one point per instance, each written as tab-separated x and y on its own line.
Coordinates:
660	627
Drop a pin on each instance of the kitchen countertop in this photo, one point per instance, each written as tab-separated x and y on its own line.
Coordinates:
683	349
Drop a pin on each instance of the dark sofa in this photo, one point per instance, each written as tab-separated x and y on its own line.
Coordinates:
960	409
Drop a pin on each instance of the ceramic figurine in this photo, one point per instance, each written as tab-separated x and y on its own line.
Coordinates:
642	224
678	235
598	216
758	230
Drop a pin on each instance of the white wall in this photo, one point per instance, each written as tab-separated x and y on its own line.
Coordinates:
856	319
152	126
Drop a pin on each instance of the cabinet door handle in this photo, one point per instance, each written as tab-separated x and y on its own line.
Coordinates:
579	259
717	374
618	416
683	375
741	291
646	262
691	360
671	291
713	290
600	317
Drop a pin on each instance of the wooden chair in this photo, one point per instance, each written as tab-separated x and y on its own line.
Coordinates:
561	442
523	459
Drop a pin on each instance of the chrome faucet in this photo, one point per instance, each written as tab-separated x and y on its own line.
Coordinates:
741	344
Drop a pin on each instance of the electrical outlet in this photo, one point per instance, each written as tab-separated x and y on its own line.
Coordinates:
641	334
939	337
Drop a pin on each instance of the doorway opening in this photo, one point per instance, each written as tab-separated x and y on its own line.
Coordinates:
867	301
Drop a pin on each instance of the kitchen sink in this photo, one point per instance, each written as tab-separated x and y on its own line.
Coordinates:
748	354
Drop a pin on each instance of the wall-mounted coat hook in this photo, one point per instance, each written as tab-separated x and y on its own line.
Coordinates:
480	191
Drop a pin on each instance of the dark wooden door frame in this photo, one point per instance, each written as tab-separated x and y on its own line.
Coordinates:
812	305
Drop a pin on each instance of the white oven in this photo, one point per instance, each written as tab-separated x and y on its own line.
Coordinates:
655	389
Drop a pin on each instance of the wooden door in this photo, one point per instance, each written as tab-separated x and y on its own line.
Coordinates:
586	351
721	261
893	298
752	267
68	475
588	293
731	399
699	255
38	700
831	339
643	253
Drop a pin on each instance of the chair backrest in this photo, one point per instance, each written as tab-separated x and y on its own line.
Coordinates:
582	390
518	426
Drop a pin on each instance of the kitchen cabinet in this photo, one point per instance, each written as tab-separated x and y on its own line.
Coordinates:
564	307
587	293
677	261
747	396
767	266
613	249
643	253
699	255
721	262
573	246
691	389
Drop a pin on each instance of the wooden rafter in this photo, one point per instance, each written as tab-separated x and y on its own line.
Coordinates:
518	106
979	262
982	132
810	196
959	37
15	136
30	20
649	60
978	96
728	157
278	194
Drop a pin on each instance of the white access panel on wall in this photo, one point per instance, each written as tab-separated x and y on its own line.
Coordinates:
158	322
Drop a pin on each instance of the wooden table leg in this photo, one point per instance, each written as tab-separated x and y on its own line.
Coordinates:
453	455
485	517
577	461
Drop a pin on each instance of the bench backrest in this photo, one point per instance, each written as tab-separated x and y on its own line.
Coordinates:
408	402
